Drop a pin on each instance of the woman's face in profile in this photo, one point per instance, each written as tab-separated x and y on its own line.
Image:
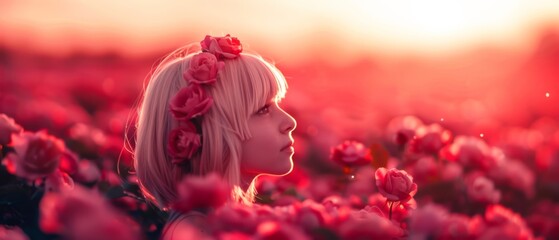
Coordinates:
270	150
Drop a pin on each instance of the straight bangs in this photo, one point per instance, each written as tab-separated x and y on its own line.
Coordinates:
245	85
268	83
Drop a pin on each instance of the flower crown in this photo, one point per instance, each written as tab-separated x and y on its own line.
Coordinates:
192	101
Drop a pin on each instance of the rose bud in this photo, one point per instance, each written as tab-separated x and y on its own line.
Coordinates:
395	185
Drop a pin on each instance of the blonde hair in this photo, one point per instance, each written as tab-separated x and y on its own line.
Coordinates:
243	86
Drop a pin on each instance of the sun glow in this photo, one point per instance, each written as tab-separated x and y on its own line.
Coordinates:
434	25
352	26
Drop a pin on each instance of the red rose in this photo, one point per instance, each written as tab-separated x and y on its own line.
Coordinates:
202	69
351	153
36	155
228	47
190	102
7	127
201	193
395	185
183	142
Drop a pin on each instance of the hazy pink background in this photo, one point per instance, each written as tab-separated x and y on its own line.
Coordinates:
472	66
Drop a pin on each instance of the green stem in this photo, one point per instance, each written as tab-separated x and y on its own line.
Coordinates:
390	211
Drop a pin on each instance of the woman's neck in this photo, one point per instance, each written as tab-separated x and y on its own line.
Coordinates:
246	181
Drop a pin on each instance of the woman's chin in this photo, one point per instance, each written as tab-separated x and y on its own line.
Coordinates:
283	170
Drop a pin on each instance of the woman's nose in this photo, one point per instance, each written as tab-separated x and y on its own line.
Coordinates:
288	123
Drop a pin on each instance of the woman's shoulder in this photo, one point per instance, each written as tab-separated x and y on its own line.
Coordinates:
191	225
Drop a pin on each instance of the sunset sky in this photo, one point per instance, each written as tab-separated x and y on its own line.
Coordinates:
466	62
346	28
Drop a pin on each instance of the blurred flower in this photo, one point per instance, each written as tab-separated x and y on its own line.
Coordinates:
234	217
351	153
471	152
481	189
369	225
430	139
514	174
395	185
402	129
36	155
69	162
12	233
310	215
84	214
185	231
7	127
502	223
456	226
58	181
451	171
425	170
271	230
201	193
88	172
427	221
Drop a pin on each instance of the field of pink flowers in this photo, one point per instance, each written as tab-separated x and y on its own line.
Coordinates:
65	174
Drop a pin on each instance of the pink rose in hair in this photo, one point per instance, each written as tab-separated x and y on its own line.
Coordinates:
201	193
395	185
183	143
36	155
228	47
203	69
190	102
351	153
7	127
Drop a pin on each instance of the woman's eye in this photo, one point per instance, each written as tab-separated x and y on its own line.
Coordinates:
264	110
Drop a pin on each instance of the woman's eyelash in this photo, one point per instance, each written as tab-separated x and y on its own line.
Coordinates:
264	109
